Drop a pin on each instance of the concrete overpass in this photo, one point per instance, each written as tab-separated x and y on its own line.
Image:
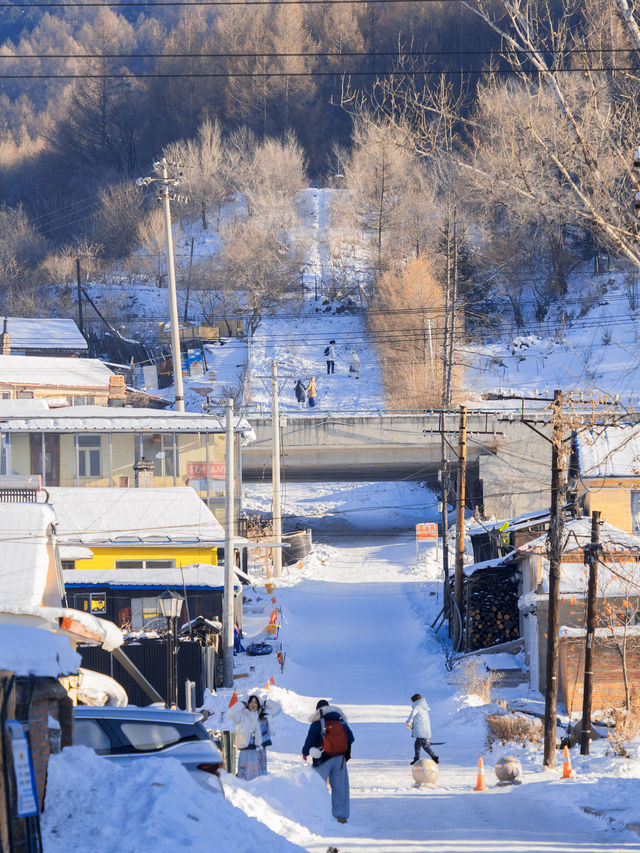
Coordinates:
508	463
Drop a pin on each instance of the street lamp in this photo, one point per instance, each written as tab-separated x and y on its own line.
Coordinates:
170	605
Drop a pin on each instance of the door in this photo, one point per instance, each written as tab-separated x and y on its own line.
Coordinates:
51	471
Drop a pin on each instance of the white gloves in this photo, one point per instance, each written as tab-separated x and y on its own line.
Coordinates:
314	752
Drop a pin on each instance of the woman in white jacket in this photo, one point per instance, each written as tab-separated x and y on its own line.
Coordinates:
253	734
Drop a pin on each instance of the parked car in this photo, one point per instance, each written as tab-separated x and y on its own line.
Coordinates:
132	733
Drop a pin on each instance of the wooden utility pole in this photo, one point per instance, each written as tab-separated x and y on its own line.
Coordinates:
79	281
229	547
555	561
460	503
445	345
275	470
591	559
445	522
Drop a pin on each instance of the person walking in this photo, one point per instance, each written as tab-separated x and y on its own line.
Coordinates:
420	724
328	743
253	734
312	392
354	365
301	393
330	355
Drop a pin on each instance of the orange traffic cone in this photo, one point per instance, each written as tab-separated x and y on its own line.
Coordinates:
567	772
481	785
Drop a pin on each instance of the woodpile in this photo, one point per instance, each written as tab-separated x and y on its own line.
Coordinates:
491	609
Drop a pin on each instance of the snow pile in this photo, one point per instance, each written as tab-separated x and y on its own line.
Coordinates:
361	506
294	803
97	804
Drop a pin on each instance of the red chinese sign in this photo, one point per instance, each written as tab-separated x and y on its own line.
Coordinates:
198	470
426	532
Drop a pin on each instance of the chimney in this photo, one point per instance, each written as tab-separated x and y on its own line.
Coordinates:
117	391
143	474
4	338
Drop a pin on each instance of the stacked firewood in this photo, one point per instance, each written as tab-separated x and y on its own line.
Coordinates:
491	612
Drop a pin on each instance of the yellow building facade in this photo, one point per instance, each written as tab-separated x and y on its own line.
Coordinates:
145	556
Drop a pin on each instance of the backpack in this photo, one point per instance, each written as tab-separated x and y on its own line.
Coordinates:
326	350
334	737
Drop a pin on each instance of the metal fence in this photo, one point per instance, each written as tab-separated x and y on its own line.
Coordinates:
195	663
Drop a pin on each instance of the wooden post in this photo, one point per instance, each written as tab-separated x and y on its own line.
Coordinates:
445	523
555	559
460	500
591	557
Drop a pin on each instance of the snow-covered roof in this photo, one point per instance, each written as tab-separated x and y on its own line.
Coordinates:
609	452
43	371
489	564
26	558
27	650
172	515
46	333
77	624
519	522
577	534
200	575
124	419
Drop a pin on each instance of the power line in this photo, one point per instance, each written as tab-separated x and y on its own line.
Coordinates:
494	54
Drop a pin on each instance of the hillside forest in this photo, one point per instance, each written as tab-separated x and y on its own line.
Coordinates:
480	151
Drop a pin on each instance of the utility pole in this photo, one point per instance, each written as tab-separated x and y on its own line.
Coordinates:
79	281
186	301
173	298
165	182
275	471
229	573
555	561
445	345
452	300
460	502
591	558
445	523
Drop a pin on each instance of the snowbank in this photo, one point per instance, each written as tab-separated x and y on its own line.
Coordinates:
95	804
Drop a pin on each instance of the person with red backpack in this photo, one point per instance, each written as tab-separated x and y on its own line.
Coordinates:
328	743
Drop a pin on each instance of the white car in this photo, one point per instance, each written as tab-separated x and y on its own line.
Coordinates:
132	733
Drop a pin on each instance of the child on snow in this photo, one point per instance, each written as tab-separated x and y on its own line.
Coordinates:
420	724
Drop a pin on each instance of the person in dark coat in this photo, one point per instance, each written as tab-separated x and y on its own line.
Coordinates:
331	767
330	355
301	393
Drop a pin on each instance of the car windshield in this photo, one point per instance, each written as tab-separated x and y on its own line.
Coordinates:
149	736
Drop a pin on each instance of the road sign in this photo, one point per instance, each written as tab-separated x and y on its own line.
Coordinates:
427	532
23	769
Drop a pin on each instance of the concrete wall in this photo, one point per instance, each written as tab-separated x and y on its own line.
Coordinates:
513	462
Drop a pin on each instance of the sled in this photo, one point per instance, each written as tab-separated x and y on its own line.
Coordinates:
255	649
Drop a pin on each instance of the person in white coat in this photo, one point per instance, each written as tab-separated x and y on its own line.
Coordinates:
252	720
420	724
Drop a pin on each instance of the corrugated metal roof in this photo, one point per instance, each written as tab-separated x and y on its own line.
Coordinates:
107	419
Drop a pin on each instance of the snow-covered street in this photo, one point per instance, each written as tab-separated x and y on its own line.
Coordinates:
355	630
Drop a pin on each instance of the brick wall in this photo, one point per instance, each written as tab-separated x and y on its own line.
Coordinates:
608	684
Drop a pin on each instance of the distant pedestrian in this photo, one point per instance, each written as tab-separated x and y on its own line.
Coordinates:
328	743
354	365
312	392
253	734
330	355
301	393
420	724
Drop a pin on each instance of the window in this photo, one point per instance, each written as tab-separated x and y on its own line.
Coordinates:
149	736
90	733
68	564
25	395
158	448
83	401
89	462
145	564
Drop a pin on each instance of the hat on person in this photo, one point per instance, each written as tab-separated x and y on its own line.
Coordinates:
332	342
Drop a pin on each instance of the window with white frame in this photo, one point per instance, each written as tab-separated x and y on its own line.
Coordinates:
89	456
145	564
